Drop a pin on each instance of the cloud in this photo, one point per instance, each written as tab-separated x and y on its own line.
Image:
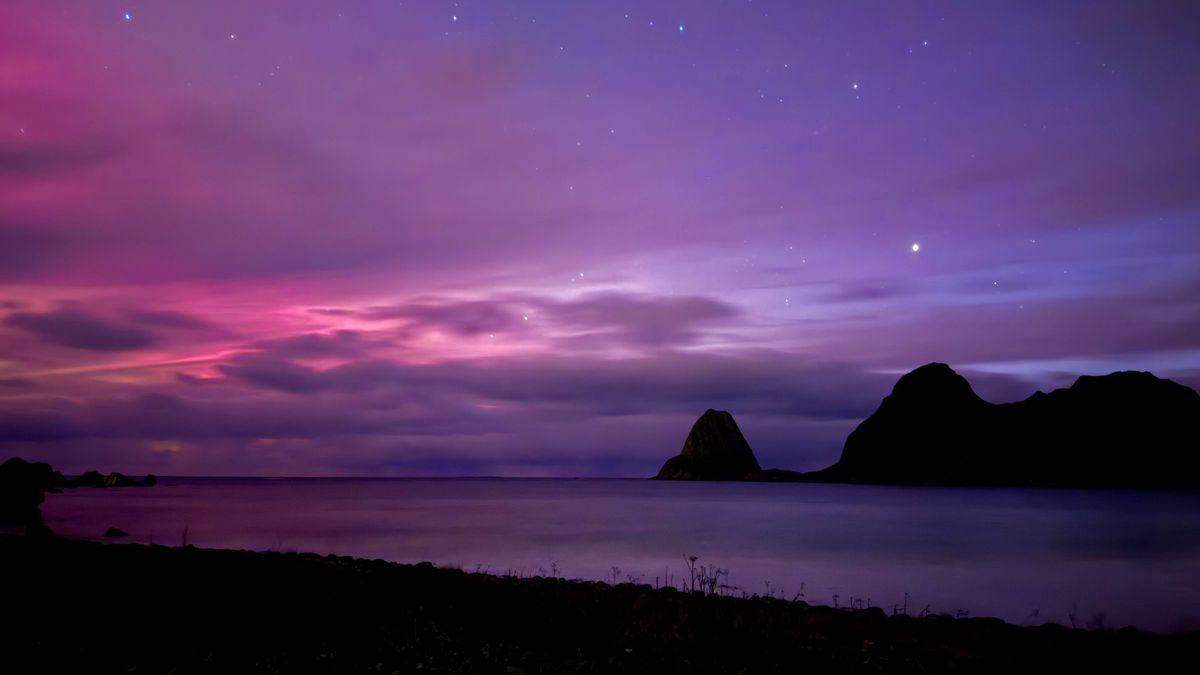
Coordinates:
33	248
577	416
462	317
166	319
765	382
334	344
28	161
598	319
36	426
80	330
869	291
274	373
16	383
639	320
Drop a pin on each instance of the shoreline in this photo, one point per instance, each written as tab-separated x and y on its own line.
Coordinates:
107	607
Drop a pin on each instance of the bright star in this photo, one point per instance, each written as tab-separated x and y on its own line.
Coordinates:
680	28
454	18
854	86
916	248
128	16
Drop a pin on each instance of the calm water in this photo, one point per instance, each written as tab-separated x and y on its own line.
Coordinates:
1028	556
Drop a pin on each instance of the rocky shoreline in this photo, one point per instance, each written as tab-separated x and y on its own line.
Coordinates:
78	606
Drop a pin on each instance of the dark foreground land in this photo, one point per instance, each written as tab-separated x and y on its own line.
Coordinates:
74	606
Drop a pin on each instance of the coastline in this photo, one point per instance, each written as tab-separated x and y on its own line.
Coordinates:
95	607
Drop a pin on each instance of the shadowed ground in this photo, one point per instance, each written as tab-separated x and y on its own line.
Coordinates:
87	607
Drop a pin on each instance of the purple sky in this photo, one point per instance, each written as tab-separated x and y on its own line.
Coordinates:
540	238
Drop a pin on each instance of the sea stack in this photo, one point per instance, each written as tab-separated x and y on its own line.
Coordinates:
714	450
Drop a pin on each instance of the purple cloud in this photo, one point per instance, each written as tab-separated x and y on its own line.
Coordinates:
25	161
80	330
608	318
647	321
462	317
334	344
162	318
274	373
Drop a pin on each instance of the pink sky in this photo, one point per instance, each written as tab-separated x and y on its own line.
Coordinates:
304	239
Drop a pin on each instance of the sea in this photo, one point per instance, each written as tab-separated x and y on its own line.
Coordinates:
1085	558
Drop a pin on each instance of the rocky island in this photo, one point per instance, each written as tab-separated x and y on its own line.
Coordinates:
1122	430
715	449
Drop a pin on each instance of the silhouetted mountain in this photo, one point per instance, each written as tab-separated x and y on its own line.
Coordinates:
714	450
1123	430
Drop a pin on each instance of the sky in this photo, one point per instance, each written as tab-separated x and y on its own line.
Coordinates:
540	238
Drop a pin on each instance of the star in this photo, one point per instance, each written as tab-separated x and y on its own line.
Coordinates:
854	86
128	16
454	18
680	28
916	248
232	36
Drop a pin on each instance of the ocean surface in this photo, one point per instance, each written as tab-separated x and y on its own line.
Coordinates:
1108	558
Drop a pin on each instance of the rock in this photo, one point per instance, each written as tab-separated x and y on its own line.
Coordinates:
39	532
23	486
1123	430
113	532
714	450
91	478
115	479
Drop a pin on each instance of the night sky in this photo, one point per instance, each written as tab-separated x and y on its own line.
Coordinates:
540	238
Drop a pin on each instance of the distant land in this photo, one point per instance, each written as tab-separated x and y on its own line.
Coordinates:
23	487
1123	430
